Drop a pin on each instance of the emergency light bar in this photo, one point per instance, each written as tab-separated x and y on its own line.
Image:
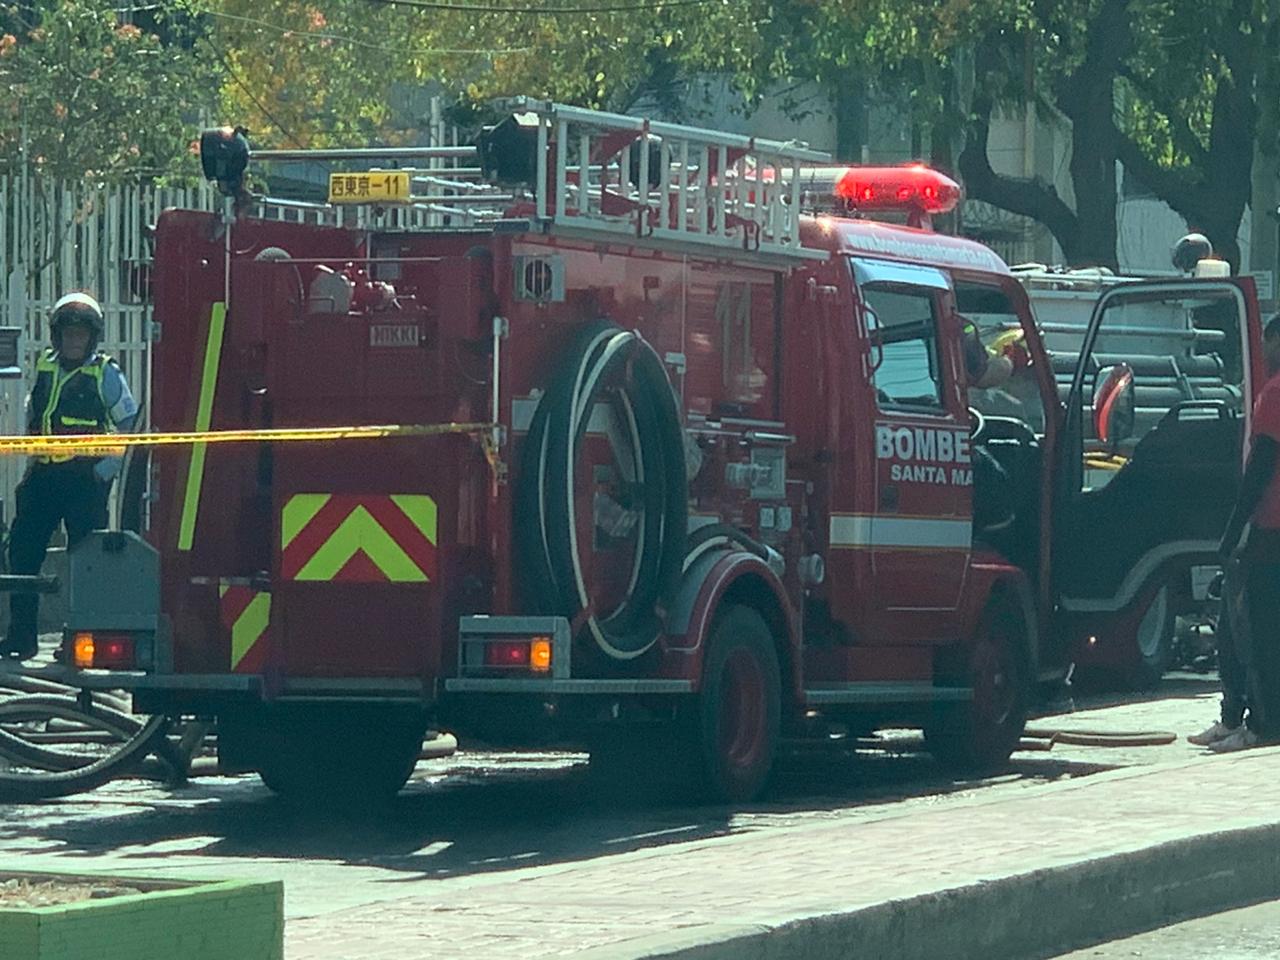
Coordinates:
912	187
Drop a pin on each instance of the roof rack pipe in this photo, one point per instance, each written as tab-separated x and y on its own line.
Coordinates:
718	138
507	198
368	153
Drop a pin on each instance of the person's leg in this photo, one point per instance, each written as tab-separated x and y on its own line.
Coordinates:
1232	640
85	505
1263	602
38	513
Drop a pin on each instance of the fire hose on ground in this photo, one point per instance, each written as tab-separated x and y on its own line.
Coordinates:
56	741
1041	739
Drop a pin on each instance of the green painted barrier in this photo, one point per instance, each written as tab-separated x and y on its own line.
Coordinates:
169	920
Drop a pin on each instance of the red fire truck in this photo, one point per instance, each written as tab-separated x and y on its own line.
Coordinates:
704	462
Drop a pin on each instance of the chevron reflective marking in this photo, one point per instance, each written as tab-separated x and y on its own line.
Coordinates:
358	538
246	613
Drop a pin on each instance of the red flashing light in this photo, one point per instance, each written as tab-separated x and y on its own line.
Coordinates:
912	188
506	654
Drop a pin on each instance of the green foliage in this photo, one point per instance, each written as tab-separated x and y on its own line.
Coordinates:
88	96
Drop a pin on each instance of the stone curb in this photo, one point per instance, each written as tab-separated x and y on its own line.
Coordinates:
1038	914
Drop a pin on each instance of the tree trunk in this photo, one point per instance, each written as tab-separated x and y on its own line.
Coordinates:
1264	248
1093	175
851	120
1087	97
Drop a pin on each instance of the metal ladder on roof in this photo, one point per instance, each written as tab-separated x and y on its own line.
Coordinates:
601	172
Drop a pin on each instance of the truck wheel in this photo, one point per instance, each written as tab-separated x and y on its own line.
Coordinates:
323	760
737	715
981	734
1155	640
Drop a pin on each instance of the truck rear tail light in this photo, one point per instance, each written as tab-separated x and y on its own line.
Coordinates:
506	653
532	654
103	651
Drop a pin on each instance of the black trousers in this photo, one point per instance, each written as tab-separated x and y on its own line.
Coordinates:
50	493
1263	601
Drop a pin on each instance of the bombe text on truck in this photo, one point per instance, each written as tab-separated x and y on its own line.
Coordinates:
738	479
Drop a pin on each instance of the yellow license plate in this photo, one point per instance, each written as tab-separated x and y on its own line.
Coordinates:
388	187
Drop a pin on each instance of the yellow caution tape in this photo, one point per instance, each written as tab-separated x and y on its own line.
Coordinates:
96	445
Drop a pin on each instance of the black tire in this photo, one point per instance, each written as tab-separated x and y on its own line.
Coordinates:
335	760
979	735
736	718
1156	641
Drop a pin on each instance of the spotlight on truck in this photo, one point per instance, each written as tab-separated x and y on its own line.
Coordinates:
224	156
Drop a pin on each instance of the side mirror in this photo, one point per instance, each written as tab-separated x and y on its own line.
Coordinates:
874	338
1114	405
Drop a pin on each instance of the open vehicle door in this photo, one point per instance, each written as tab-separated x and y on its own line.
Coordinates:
1149	462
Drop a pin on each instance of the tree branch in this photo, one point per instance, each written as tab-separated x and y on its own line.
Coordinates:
1029	197
1174	187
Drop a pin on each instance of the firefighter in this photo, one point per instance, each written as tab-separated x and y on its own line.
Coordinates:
990	368
992	488
77	390
1258	507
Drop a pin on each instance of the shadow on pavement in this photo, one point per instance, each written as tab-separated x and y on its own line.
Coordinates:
483	812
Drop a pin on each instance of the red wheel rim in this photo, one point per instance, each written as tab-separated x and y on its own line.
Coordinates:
742	711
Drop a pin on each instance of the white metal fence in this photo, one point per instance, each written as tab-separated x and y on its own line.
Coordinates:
57	236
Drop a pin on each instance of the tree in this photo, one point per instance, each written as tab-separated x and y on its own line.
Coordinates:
298	73
91	97
1174	89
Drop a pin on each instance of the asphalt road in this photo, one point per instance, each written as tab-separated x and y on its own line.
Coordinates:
477	814
1251	933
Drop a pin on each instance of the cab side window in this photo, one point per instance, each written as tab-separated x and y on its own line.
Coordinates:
902	326
998	325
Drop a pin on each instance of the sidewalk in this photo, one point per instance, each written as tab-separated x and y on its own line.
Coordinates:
1052	866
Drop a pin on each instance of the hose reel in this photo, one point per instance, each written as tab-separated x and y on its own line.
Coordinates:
547	508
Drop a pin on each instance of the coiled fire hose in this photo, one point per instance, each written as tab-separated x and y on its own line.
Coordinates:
56	741
605	363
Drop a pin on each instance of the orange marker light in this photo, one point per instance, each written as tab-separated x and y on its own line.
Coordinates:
540	654
82	650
